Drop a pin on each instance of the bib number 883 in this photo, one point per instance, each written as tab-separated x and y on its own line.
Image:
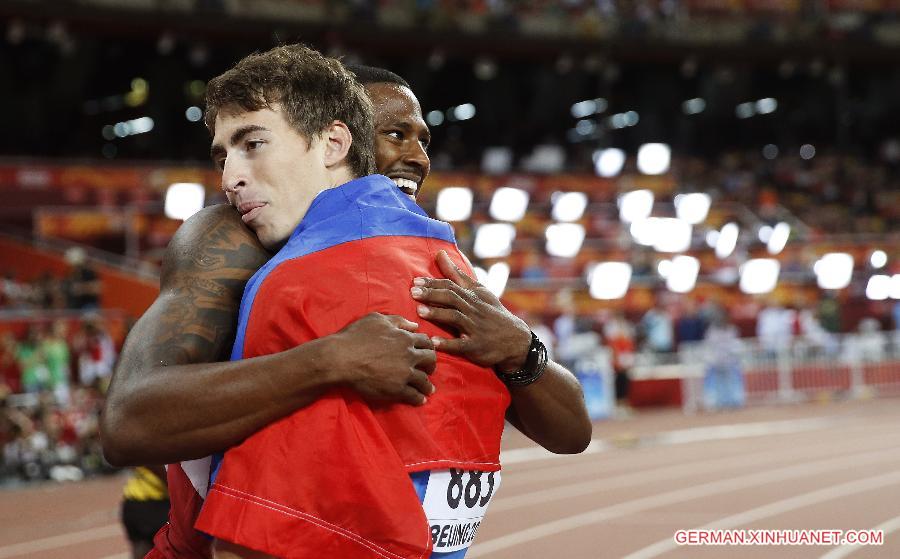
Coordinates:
473	492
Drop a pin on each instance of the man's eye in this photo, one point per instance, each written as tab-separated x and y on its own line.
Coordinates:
254	144
220	164
396	135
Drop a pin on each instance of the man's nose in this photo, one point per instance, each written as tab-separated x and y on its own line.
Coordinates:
234	176
415	155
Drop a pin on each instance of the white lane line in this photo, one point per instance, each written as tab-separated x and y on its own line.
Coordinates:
681	436
62	540
777	508
602	514
643	477
887	526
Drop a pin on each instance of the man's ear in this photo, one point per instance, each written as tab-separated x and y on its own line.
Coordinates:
337	140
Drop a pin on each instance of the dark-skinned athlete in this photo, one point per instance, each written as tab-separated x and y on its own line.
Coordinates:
169	403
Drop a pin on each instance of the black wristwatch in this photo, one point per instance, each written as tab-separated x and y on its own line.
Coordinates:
534	366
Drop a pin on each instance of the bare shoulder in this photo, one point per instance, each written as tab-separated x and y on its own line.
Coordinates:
213	242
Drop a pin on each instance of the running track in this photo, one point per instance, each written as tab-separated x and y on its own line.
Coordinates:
814	466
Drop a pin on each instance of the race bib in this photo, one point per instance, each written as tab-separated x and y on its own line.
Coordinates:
455	503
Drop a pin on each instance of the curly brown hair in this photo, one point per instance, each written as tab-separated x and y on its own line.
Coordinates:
313	91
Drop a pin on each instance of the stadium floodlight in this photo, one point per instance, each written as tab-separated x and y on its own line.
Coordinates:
712	238
609	280
464	111
779	238
569	206
664	268
682	274
692	208
589	107
496	278
654	159
454	203
496	160
878	288
894	291
564	239
671	235
759	275
765	233
766	106
609	162
494	240
635	205
834	270
693	106
878	259
745	110
727	240
481	275
644	231
509	204
184	199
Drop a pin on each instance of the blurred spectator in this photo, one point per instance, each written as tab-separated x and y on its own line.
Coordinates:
14	294
723	382
774	329
691	325
82	283
96	355
35	375
657	330
11	379
55	349
619	337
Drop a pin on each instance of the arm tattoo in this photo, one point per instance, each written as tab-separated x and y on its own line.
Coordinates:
206	267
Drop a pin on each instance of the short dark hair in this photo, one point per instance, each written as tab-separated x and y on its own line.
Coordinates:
313	91
371	74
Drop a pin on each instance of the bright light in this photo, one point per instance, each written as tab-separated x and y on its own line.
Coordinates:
193	114
759	275
481	275
727	240
834	270
692	208
654	159
644	231
664	268
454	204
564	239
509	204
464	112
693	106
671	235
745	110
807	151
631	118
184	199
878	259
878	288
434	118
770	151
779	238
894	291
712	238
141	125
635	205
496	160
588	107
609	162
765	233
496	278
609	280
682	274
766	106
569	206
494	240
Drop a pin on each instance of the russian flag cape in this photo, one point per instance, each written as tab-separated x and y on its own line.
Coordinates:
332	480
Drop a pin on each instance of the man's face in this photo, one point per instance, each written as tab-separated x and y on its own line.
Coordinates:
401	136
270	172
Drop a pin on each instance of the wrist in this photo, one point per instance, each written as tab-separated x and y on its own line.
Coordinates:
532	370
321	360
521	347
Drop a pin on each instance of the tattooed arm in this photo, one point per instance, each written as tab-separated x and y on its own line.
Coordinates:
168	402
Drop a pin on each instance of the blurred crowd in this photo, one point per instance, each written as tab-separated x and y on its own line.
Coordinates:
78	290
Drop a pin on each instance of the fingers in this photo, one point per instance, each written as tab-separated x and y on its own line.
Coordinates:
422	341
400	322
421	383
426	360
443	293
446	317
452	271
453	346
411	396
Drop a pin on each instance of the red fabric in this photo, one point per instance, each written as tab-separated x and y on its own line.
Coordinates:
177	539
332	479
